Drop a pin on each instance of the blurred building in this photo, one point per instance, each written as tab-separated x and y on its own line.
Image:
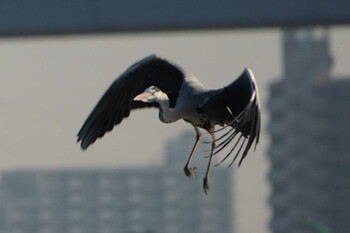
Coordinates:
140	200
310	131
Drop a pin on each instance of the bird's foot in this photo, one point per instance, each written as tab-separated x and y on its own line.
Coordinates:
190	171
205	185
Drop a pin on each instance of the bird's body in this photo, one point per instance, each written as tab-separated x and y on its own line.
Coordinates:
193	90
193	94
155	82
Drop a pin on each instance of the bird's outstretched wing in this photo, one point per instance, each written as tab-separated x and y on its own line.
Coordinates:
117	102
241	98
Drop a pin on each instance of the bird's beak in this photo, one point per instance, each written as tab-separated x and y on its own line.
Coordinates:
143	97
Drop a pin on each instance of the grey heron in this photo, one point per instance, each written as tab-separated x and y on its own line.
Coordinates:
156	82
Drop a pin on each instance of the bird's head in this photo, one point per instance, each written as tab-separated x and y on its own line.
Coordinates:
151	94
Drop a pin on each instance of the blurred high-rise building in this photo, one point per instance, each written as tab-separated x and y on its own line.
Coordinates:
155	199
310	132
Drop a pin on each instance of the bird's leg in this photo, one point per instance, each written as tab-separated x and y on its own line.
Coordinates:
190	171
206	177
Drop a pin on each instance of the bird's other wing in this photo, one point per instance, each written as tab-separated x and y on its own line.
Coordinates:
117	102
241	98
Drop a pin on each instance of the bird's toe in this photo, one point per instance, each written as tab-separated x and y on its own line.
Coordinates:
190	171
205	185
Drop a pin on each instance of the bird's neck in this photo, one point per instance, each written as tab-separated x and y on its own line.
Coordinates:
166	114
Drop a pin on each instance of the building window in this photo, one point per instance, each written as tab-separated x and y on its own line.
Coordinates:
171	213
134	181
45	229
106	229
45	216
75	198
135	197
137	228
172	228
105	198
16	230
135	214
74	183
75	215
105	182
75	229
14	215
105	215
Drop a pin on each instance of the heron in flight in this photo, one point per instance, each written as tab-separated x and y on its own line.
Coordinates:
156	82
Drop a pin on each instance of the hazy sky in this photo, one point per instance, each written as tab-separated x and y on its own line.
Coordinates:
49	85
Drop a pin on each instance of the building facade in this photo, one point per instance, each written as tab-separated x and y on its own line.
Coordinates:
140	200
309	129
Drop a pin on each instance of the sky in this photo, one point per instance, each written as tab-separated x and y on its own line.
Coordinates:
49	85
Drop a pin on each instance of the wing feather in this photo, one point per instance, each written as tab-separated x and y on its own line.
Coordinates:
241	97
117	102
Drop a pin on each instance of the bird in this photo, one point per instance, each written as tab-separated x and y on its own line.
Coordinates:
155	82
